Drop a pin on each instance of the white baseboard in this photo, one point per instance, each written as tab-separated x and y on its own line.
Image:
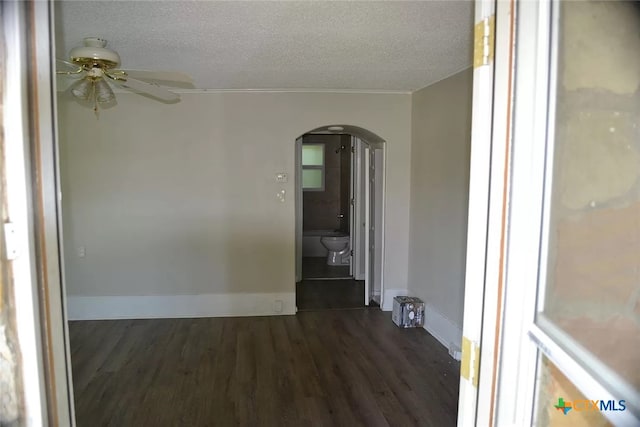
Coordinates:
389	295
176	306
443	329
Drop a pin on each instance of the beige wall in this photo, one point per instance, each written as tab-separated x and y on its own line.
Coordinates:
441	139
181	199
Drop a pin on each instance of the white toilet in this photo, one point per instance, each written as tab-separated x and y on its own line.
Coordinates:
338	246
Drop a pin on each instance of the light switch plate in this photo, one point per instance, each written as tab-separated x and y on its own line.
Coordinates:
282	177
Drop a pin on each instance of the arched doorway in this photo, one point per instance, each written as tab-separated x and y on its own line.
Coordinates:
351	216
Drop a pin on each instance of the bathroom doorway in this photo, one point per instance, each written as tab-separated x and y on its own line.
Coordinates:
339	219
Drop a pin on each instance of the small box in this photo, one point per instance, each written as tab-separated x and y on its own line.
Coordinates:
408	312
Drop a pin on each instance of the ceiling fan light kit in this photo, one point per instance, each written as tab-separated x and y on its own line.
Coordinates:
104	93
94	61
82	89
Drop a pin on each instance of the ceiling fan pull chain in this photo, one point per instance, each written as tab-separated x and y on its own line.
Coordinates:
95	99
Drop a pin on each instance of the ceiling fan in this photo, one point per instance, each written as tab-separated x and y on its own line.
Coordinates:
96	65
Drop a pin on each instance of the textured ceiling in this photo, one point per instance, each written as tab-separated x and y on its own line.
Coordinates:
361	45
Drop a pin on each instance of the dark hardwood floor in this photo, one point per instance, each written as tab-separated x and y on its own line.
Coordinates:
324	368
317	268
329	294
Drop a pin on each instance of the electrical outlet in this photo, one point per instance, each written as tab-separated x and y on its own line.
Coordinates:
82	252
277	306
282	177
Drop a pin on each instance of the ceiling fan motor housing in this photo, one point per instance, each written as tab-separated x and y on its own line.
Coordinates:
94	53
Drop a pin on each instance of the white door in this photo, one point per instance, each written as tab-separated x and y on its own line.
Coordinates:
473	406
571	337
358	228
352	209
559	230
372	203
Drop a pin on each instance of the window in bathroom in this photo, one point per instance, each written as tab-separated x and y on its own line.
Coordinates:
313	167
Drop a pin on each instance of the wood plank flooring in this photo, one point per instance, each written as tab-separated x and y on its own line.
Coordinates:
317	268
322	368
329	294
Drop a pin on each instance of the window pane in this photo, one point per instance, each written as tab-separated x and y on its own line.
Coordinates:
312	154
560	403
12	411
593	252
312	179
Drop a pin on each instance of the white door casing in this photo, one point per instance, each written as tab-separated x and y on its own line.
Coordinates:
352	207
378	207
367	223
299	209
32	200
473	408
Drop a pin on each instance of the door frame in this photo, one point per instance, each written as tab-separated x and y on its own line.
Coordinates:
366	169
360	190
374	166
34	210
379	204
298	207
489	171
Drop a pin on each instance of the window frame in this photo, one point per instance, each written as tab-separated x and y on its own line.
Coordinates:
321	168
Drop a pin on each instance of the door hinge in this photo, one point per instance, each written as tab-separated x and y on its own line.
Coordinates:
351	252
353	150
11	241
470	363
353	202
483	41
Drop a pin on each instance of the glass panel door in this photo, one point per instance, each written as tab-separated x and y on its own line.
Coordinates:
589	300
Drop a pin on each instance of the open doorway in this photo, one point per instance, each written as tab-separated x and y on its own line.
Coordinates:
339	219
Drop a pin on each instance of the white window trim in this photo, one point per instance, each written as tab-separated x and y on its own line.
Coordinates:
316	167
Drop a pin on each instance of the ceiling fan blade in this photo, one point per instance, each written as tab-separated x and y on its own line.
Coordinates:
166	78
146	89
67	67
